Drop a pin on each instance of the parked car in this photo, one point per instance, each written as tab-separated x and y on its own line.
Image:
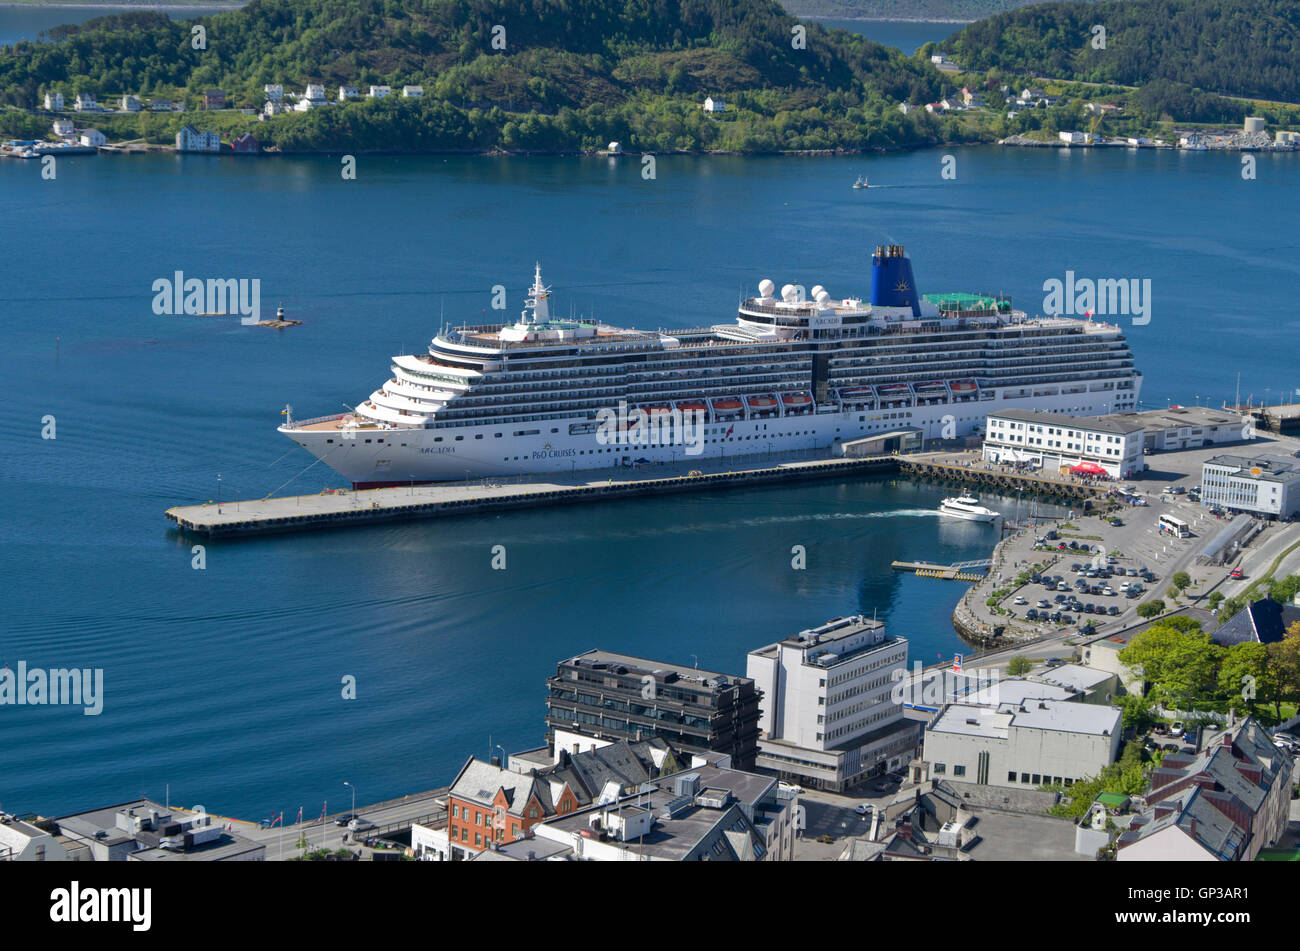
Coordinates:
1042	603
864	809
1113	610
1055	661
1176	727
1031	614
1020	599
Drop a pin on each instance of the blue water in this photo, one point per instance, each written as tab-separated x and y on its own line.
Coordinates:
27	22
907	35
225	682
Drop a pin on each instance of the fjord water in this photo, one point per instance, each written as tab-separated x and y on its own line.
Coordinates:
225	682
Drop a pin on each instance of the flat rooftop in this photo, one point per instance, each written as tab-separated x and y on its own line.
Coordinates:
970	720
1117	424
840	638
1066	717
1056	715
1265	467
1072	677
639	665
1177	417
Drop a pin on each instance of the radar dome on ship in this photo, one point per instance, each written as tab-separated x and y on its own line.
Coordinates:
822	295
817	291
788	292
765	288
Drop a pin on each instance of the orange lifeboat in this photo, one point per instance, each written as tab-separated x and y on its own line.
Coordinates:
760	402
796	399
727	405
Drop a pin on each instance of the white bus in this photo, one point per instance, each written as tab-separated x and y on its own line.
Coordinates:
1174	526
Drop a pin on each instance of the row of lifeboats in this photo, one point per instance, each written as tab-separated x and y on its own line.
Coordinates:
728	407
900	392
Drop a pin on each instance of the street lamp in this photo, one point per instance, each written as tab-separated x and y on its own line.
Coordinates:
354	797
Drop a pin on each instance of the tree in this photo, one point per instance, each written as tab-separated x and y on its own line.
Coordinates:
1150	608
1019	666
1181	665
1246	673
1137	713
1181	580
1215	599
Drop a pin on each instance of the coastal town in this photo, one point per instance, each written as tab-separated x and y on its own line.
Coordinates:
1073	735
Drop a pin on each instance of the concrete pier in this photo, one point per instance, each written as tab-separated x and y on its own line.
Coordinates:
343	508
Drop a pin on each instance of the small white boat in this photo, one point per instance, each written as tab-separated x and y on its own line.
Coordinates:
861	182
969	508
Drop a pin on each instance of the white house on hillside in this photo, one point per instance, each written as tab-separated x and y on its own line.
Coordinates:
714	105
347	92
86	103
54	101
379	92
274	92
412	92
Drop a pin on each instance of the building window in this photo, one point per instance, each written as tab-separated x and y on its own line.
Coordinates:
1011	776
940	769
959	770
1024	777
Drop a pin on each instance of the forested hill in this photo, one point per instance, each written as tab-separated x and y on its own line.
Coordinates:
1235	47
583	71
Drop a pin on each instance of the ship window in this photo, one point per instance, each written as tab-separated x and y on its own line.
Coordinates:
479	436
371	440
437	439
458	439
497	435
329	440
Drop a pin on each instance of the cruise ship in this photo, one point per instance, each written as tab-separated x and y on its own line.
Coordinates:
796	371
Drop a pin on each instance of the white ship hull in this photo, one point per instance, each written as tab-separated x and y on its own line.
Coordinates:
968	516
369	457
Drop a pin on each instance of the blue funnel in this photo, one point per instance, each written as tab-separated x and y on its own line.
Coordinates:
891	279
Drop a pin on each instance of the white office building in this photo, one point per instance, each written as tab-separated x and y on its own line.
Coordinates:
1097	445
827	715
1263	485
190	139
1024	745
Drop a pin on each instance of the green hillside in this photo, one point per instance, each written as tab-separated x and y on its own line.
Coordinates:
1232	47
574	74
